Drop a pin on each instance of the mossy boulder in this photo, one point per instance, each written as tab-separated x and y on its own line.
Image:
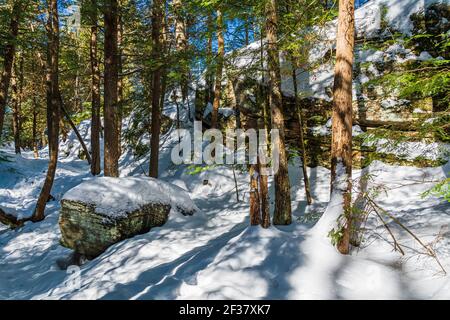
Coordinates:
90	233
103	211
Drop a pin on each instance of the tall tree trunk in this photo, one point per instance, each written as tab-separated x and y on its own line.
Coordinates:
181	45
111	156
255	210
247	31
34	128
157	16
19	103
53	108
95	75
165	44
15	110
17	88
341	146
298	110
8	58
219	69
283	214
120	103
263	180
209	53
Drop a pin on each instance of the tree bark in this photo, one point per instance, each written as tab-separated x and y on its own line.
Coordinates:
298	110
74	128
8	58
263	180
120	104
15	102
157	16
283	214
209	52
34	128
219	70
111	156
341	146
255	210
181	46
95	107
53	108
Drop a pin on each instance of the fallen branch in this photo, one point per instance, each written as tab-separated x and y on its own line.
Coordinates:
10	220
396	244
74	128
428	249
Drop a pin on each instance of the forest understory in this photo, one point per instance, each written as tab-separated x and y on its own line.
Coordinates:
98	99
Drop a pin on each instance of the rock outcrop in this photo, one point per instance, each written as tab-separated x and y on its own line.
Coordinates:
103	211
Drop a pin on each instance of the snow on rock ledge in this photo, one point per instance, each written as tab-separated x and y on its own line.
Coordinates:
103	211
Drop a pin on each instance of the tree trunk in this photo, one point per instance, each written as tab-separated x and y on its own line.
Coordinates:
219	69
263	180
209	52
111	156
95	75
120	104
19	104
15	110
157	16
8	58
282	215
53	108
255	210
181	46
34	128
298	110
341	146
165	45
74	128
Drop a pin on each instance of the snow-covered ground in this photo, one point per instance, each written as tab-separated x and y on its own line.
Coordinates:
215	253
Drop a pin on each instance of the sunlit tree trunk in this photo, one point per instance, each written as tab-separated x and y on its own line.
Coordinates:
255	210
209	53
282	214
219	70
263	180
181	45
341	146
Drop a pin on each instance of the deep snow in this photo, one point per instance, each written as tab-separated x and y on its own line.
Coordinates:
116	197
215	254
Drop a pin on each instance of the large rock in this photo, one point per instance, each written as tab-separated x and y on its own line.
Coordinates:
103	211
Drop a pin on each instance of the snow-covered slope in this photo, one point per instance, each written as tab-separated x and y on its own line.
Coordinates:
215	254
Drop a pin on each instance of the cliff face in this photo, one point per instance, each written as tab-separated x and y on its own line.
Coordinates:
385	46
